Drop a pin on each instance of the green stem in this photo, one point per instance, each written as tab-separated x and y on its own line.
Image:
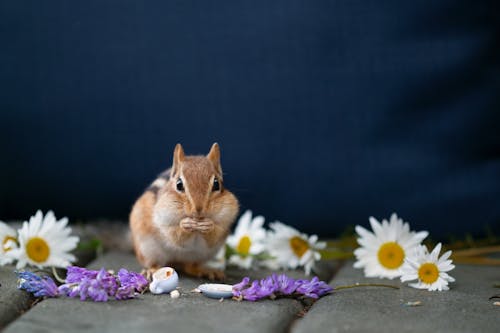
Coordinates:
366	285
335	254
56	276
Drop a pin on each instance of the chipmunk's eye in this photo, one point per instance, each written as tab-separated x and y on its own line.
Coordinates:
216	186
179	185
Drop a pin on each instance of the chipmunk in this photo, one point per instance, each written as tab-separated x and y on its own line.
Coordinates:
184	216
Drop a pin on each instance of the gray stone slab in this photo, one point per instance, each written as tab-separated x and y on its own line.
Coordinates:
465	308
192	312
13	302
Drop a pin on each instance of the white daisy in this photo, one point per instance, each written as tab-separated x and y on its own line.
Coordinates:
428	269
292	248
382	253
247	240
8	242
44	241
219	260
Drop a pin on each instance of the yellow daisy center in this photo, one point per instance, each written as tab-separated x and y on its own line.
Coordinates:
244	244
5	243
37	249
391	255
299	246
428	273
5	246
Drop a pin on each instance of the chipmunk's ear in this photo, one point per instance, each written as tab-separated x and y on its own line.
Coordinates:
214	157
178	158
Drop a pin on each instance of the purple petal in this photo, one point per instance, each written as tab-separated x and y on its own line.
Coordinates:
314	288
38	286
286	285
76	274
237	288
132	279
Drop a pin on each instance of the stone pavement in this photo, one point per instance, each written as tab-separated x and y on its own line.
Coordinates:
465	308
13	302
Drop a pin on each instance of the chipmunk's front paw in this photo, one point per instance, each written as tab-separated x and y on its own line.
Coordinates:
199	271
205	226
188	225
148	272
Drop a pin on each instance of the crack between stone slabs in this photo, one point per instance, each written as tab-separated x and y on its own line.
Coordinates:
307	304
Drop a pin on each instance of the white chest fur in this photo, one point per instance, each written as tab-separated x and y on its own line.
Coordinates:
194	249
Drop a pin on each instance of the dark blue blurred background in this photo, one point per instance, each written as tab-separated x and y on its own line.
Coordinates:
327	112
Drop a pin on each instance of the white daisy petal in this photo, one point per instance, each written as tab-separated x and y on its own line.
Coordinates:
320	245
257	223
447	277
243	223
376	227
245	263
306	257
257	248
445	256
435	252
317	255
313	238
363	232
409	277
446	267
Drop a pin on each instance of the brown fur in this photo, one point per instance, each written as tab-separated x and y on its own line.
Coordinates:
185	227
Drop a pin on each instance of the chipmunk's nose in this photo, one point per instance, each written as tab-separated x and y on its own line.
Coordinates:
196	207
196	211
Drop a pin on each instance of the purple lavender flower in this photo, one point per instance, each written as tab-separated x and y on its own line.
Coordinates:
286	284
268	286
94	290
279	285
76	274
100	288
314	288
237	288
130	282
77	280
38	286
125	292
96	285
69	289
136	280
257	290
253	292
